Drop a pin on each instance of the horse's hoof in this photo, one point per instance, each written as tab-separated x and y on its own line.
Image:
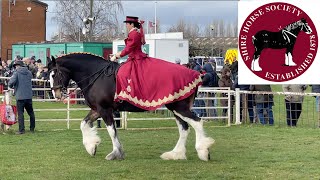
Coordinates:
203	150
256	69
171	155
115	155
91	149
110	157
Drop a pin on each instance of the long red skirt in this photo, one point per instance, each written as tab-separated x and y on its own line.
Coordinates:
149	83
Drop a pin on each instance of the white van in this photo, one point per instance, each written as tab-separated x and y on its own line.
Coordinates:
219	61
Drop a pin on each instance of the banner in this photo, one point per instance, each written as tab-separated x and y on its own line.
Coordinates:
278	42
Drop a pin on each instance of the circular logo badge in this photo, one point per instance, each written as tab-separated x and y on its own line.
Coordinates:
278	42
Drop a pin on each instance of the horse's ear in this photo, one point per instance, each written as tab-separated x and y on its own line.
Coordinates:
53	60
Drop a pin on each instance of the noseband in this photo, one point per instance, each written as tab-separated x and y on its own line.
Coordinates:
61	77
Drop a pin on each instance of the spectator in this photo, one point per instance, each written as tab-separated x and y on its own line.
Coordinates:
316	89
178	61
264	103
39	72
30	66
198	103
248	98
293	103
210	79
8	71
21	82
208	68
225	81
195	66
213	64
45	73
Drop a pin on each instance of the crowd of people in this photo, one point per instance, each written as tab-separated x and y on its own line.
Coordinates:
259	106
36	67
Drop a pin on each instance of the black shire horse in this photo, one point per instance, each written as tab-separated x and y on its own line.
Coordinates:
285	38
97	79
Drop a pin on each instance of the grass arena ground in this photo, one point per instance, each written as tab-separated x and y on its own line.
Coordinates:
240	152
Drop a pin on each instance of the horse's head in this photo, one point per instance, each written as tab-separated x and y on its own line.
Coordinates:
59	78
305	27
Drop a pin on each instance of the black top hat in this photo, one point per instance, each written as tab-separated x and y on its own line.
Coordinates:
19	63
131	19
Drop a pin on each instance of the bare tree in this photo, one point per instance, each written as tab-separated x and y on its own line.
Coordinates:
221	28
70	15
229	30
235	29
211	29
189	30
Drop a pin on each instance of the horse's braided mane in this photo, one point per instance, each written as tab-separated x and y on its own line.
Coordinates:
81	53
293	25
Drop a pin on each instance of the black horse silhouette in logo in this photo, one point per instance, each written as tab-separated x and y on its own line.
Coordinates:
285	38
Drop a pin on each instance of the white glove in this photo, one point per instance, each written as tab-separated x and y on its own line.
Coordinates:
118	54
113	58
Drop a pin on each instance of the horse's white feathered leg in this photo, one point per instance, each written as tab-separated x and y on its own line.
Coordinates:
117	152
203	143
90	138
255	65
179	151
290	60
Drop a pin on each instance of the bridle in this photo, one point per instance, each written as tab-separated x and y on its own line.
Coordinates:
61	76
286	34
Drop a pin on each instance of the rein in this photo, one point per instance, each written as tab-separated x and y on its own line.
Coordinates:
99	72
286	36
286	33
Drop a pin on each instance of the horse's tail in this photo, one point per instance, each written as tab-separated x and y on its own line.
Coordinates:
193	98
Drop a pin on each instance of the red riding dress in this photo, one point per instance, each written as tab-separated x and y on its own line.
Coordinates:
149	83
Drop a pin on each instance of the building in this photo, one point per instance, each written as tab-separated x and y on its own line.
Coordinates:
215	46
44	50
165	46
21	21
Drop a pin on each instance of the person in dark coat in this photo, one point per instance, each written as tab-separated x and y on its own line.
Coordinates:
21	82
210	79
293	102
264	103
316	89
248	98
225	81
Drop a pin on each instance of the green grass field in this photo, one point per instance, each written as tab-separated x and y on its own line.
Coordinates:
240	152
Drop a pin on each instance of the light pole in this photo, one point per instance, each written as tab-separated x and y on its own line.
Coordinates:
155	17
91	15
212	29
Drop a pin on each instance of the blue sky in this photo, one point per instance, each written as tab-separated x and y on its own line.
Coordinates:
168	12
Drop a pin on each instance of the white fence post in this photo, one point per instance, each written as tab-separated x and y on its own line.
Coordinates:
238	106
125	120
229	107
68	110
